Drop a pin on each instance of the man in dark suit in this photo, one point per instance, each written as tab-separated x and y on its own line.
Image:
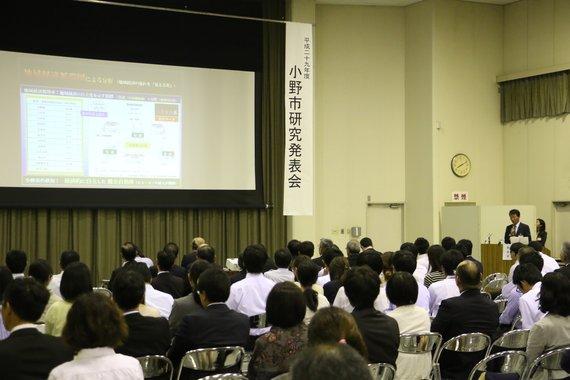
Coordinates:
27	353
471	312
165	281
380	332
128	253
176	270
465	246
214	326
516	228
147	335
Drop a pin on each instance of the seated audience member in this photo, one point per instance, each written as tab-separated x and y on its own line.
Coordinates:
337	268
242	273
330	362
447	288
324	244
141	258
94	328
269	263
380	332
565	257
552	331
172	248
165	281
16	261
213	326
248	296
40	270
274	351
27	353
422	266
550	264
153	298
470	312
190	303
307	248
404	261
293	247
465	246
307	274
328	255
448	243
66	258
128	254
437	273
206	252
373	260
282	259
419	273
515	247
402	291
352	252
387	268
366	244
5	279
76	280
333	325
189	258
146	335
528	279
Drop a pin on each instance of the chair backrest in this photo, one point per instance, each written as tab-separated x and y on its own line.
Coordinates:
156	365
225	376
419	343
549	361
501	304
511	340
495	286
212	359
472	342
492	277
104	291
516	321
503	362
382	371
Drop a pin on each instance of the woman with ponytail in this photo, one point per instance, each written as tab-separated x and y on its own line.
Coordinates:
307	274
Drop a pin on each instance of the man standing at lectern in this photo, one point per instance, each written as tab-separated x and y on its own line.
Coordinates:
517	228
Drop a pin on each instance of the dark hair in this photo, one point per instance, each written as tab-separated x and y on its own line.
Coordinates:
515	212
197	268
404	261
465	246
526	272
402	289
206	252
331	324
541	225
27	298
338	267
448	243
365	242
307	274
307	248
41	271
94	320
468	274
285	305
129	289
171	248
282	258
555	294
293	247
450	260
16	261
5	279
254	258
330	253
165	260
362	286
68	257
537	245
139	251
422	245
515	247
434	257
75	281
410	247
215	283
128	251
143	270
330	362
533	258
372	259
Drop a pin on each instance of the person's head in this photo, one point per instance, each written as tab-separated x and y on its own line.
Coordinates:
565	252
533	258
213	286
387	267
362	286
555	294
307	273
5	279
324	243
515	247
293	246
171	248
525	276
330	362
465	246
206	252
329	254
254	258
372	259
422	245
366	243
402	289
515	216
16	261
143	270
537	245
434	257
128	290
94	321
128	251
404	261
337	267
282	258
450	260
75	281
307	248
24	302
468	276
352	247
68	257
448	243
139	251
285	307
196	269
332	325
410	247
297	261
540	225
41	271
165	261
197	241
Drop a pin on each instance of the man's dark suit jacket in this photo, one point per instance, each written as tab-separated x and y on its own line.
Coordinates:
119	270
381	335
168	283
28	354
523	230
470	312
214	326
179	271
147	336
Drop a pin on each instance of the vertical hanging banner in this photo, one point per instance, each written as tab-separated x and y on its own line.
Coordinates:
298	180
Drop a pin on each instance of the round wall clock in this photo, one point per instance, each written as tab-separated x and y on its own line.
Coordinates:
460	165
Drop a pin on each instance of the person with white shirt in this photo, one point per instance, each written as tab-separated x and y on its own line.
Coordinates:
404	261
161	301
547	264
550	264
307	274
282	258
422	268
66	258
514	248
249	295
328	255
527	278
16	261
442	290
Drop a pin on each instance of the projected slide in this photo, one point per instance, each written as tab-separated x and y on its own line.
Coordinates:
79	137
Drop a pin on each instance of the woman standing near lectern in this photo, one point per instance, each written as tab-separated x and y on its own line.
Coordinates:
541	233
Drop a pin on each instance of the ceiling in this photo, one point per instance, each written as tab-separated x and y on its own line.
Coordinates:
401	3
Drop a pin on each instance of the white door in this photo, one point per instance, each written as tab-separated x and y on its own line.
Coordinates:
385	226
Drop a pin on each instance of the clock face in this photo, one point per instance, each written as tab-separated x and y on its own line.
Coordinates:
460	165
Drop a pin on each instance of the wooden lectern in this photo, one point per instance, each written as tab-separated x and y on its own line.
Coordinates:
492	259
